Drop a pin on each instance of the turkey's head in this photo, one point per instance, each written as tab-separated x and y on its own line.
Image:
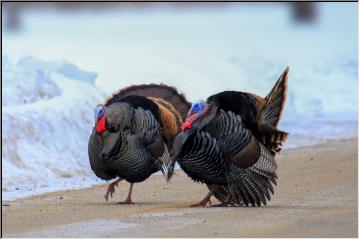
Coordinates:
199	113
113	118
100	120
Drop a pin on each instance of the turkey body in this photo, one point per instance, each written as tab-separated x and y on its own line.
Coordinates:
230	142
226	156
132	152
137	135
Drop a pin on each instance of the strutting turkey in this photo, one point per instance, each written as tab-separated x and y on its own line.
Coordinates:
229	143
134	132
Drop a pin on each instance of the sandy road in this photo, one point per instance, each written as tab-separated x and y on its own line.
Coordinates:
316	196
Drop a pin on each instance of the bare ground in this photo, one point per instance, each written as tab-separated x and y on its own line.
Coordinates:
316	196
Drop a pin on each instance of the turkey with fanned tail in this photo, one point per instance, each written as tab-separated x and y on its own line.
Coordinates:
229	143
134	132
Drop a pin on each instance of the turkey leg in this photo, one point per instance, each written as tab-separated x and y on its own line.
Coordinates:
111	188
203	202
128	199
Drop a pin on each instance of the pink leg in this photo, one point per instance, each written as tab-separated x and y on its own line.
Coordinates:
111	188
203	202
128	199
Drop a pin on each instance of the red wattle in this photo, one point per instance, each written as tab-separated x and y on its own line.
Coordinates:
100	125
188	122
186	125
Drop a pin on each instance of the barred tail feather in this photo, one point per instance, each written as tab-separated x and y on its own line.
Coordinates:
251	186
271	114
275	100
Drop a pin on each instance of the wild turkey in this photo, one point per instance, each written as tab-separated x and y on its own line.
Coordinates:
134	132
229	143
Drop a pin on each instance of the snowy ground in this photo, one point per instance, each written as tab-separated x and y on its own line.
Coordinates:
48	103
45	123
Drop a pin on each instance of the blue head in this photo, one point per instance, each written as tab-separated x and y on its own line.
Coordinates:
197	109
198	106
100	120
99	111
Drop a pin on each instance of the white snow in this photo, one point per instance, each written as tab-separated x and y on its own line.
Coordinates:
46	123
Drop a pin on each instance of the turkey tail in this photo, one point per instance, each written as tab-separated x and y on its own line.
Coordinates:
249	186
275	100
271	114
160	91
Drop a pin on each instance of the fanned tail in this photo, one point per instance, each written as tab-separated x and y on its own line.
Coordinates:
272	111
166	93
251	186
275	100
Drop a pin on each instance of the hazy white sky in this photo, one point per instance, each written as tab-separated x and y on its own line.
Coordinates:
206	51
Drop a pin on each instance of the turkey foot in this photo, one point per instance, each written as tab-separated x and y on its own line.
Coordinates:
203	202
224	204
128	199
111	189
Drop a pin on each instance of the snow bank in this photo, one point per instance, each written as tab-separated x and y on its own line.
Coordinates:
46	122
29	80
